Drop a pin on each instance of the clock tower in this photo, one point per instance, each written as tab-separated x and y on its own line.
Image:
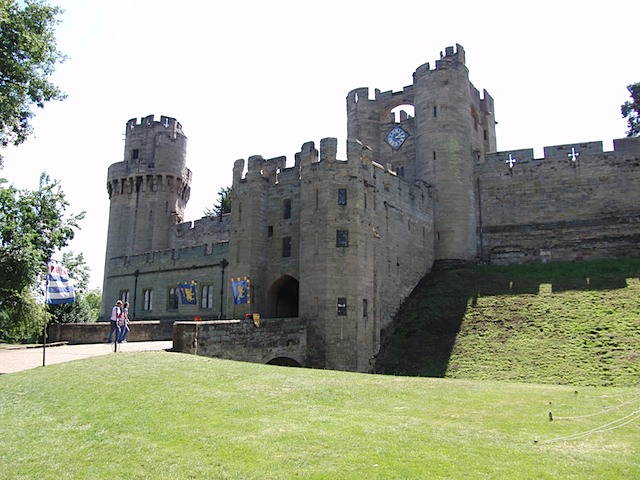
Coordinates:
435	131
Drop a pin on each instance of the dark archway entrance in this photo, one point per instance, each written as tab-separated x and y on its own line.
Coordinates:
282	298
284	362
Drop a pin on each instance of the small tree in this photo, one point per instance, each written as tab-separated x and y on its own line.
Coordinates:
631	110
32	227
28	57
222	205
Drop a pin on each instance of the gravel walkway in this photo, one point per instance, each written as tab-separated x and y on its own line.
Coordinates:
18	358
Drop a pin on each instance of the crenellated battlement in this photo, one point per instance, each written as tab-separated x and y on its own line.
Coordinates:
192	256
571	152
149	121
449	59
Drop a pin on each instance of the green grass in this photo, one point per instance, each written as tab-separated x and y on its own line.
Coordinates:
562	323
178	416
516	346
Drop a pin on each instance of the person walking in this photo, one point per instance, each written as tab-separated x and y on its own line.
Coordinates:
116	311
124	326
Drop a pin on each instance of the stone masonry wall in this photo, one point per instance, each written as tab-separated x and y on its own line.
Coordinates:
243	340
161	270
576	203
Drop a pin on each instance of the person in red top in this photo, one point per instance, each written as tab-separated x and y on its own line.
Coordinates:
123	323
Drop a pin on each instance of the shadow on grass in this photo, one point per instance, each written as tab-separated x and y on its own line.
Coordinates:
421	339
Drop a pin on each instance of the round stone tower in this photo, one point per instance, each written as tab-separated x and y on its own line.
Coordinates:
446	152
149	189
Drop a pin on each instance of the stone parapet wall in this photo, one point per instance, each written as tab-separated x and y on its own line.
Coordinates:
242	340
206	230
79	333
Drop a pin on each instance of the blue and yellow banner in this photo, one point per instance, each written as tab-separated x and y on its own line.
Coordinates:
240	287
187	293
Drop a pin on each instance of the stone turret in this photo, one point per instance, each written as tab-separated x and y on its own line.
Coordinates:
451	130
445	152
149	189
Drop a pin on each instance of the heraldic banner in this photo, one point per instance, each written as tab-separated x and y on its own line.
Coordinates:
187	293
240	287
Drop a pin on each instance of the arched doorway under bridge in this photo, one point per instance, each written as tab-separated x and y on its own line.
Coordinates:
284	362
282	298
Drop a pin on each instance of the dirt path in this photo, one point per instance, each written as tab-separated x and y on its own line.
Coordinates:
18	358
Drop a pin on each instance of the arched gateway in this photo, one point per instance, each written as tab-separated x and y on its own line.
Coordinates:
282	298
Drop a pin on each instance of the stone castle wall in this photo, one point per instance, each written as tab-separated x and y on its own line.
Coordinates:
206	230
161	270
565	206
242	340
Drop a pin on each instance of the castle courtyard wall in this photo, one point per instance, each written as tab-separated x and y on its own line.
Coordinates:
161	270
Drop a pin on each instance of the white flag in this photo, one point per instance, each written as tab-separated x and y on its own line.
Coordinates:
59	288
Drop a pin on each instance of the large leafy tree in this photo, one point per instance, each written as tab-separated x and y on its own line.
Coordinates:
32	226
631	110
28	57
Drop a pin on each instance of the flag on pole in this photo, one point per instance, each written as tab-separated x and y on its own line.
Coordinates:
240	287
59	288
187	293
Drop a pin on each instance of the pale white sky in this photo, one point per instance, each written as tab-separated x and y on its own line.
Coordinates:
253	77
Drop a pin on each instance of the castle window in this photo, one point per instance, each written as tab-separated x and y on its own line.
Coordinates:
342	238
172	298
485	135
135	153
365	307
270	231
148	299
342	196
342	306
206	296
286	247
124	295
287	208
435	112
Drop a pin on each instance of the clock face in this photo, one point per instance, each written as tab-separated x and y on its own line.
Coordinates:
396	137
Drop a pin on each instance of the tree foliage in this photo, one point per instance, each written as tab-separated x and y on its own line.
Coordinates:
32	226
631	110
22	318
222	205
28	57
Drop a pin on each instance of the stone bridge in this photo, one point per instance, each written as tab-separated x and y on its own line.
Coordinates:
276	341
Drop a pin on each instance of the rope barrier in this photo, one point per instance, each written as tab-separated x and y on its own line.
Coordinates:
611	409
633	416
618	423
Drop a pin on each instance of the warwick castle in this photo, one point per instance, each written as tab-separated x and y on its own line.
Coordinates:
336	245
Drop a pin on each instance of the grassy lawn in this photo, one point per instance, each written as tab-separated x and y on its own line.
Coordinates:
177	416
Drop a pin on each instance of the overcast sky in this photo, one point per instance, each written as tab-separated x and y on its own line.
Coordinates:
262	78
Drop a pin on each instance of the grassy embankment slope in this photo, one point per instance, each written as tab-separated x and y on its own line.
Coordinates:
564	323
